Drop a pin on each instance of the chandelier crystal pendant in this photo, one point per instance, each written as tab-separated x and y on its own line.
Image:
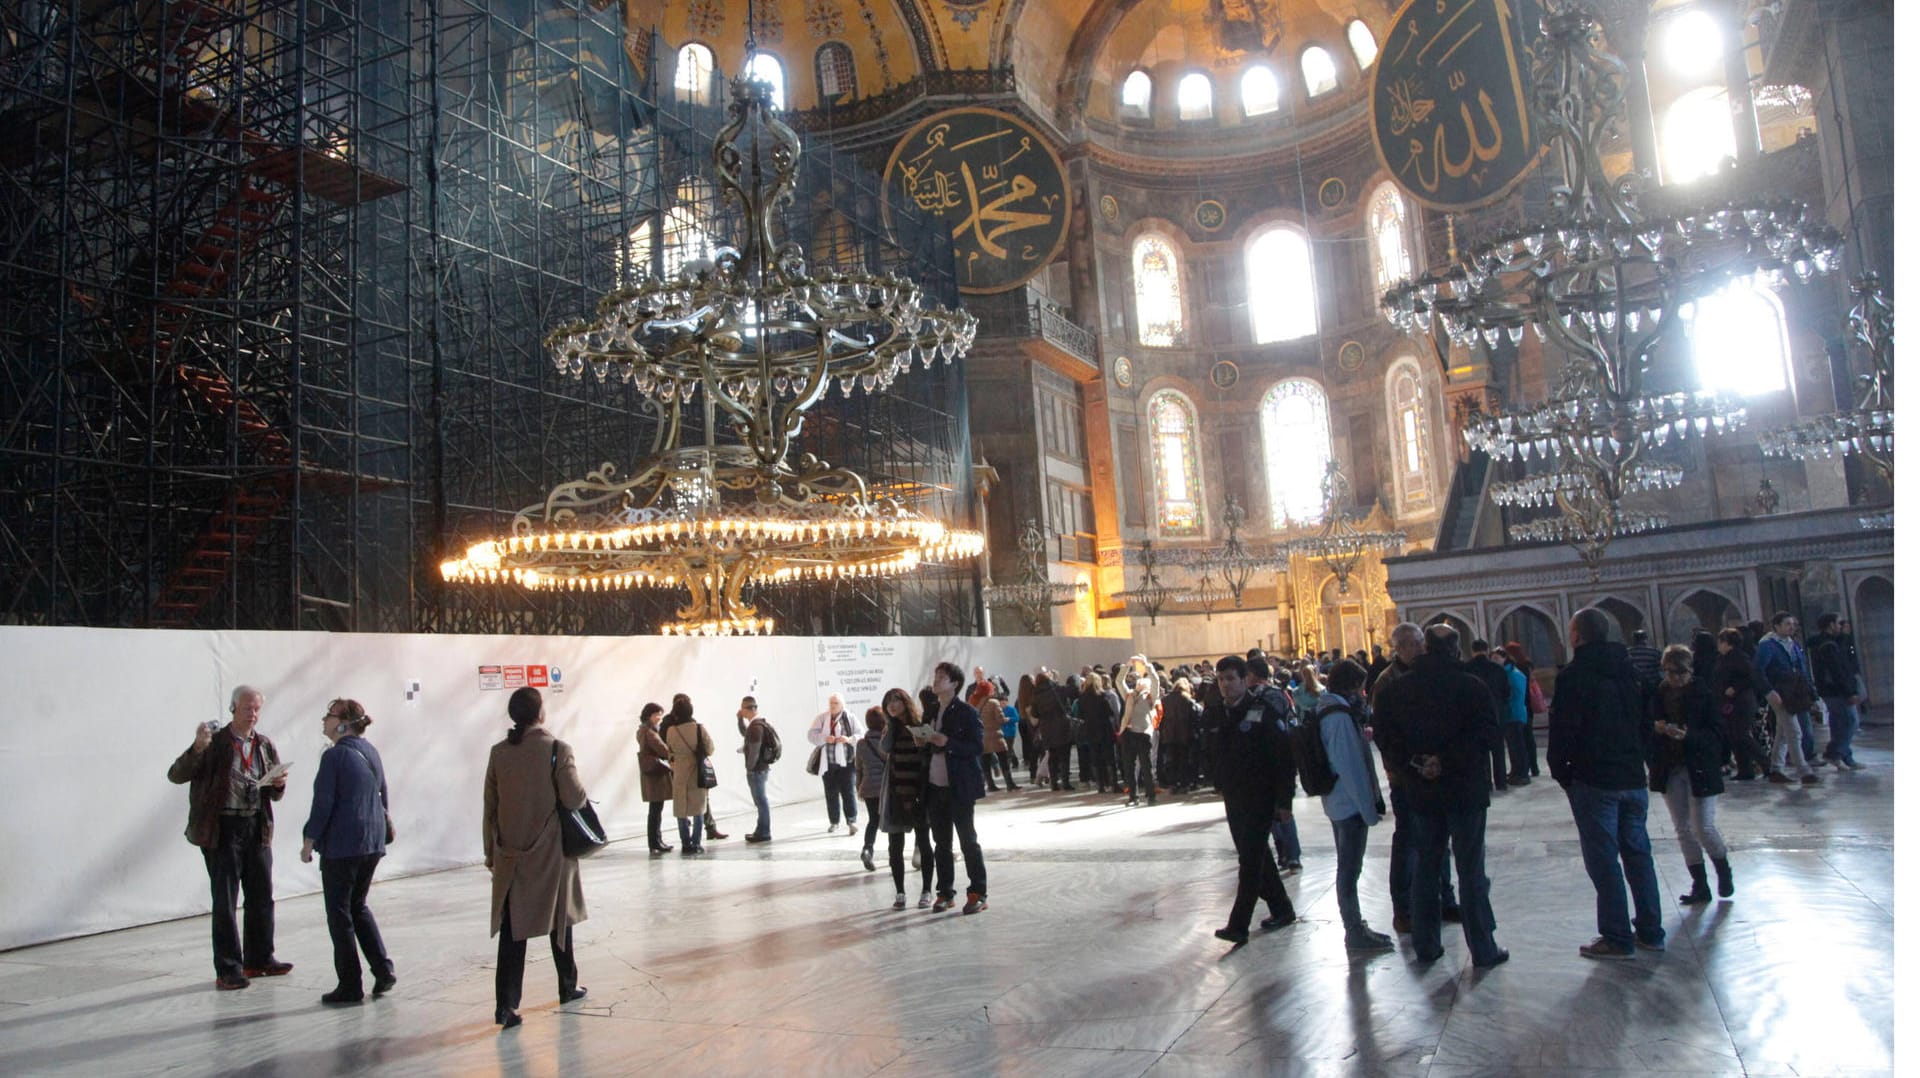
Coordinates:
1341	543
1606	280
756	340
1033	596
1865	430
1232	564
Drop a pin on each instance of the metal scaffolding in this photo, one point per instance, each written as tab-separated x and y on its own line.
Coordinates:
273	280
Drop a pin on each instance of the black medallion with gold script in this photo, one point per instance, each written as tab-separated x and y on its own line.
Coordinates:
1449	100
994	182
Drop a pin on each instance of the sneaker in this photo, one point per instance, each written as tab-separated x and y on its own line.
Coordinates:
942	905
1366	939
852	828
1604	948
1779	777
975	903
866	858
926	899
900	901
1809	779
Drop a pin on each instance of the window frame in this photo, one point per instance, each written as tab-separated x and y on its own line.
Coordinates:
1271	73
1144	110
1180	95
1387	188
683	91
1195	472
779	97
1413	498
1281	450
1178	335
1373	43
1306	76
832	52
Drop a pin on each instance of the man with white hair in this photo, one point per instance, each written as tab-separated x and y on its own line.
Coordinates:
832	732
230	817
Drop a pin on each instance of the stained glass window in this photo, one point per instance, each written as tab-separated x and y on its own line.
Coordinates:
1316	65
1387	223
1299	444
1407	404
1176	464
1156	292
1259	91
1280	286
1136	94
693	74
1195	97
1364	47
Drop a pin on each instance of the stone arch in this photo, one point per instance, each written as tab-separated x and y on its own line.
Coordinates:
1626	617
1873	618
1536	630
1700	608
1461	623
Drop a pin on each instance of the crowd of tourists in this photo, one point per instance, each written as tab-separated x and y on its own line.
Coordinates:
1447	725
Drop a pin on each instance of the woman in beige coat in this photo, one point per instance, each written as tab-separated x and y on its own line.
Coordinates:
656	773
689	743
536	886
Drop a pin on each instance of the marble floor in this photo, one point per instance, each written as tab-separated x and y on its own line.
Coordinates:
1096	958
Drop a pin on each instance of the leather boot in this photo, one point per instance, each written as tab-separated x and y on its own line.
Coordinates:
1724	869
1701	892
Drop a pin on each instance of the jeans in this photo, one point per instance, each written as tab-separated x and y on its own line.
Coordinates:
838	782
1498	754
509	972
1789	744
1692	817
1059	767
1259	877
240	863
1136	768
873	822
1843	721
757	785
1350	849
1466	830
896	842
1613	835
947	814
343	886
690	832
1400	860
1286	842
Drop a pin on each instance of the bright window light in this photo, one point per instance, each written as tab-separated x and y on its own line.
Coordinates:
1692	42
1136	94
766	67
1259	90
1195	96
1316	65
1740	341
1364	47
1698	135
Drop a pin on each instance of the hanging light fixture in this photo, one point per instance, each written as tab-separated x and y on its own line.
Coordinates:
1341	543
757	339
1153	594
1231	565
1033	596
1603	279
1865	430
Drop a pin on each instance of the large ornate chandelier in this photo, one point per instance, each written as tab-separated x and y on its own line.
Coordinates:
1152	594
1033	596
756	340
1231	565
1602	279
1341	542
1867	428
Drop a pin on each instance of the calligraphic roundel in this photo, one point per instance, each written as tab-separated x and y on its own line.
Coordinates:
1449	100
994	183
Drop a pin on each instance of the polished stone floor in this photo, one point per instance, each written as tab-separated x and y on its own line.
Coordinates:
1096	958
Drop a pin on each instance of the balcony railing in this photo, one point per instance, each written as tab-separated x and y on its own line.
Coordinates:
1025	314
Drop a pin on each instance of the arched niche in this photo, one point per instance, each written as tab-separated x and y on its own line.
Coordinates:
1701	608
1536	630
1873	639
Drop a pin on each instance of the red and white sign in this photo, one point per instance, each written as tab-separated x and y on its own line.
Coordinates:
516	676
537	676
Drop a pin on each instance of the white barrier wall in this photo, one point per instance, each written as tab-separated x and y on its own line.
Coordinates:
93	836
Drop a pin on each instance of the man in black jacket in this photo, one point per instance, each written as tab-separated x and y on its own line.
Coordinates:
1494	677
1254	773
1596	751
1409	643
1436	727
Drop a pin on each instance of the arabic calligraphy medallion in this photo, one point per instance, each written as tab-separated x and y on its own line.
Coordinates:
1449	103
992	180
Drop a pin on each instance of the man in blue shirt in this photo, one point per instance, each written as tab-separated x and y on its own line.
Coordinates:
1354	803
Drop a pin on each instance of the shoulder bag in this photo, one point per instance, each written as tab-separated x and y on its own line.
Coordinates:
380	777
580	832
703	775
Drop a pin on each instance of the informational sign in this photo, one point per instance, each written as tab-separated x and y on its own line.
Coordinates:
861	671
1449	100
491	677
991	179
520	676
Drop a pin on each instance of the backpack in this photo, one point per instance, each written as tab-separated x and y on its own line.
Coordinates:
1310	756
769	746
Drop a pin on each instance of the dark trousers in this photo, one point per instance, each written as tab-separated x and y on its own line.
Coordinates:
896	849
1136	766
1102	753
1533	749
654	841
1259	876
1519	734
1498	752
1005	761
343	886
1084	753
838	782
1400	861
1748	756
240	863
1031	749
946	815
511	969
1059	766
1176	771
873	821
1466	831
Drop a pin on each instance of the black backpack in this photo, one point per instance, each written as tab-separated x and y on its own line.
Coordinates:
769	746
1310	756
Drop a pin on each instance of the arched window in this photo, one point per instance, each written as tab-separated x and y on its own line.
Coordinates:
1387	225
1412	435
1156	292
1316	67
1364	47
833	72
693	74
1136	95
1176	465
1299	444
640	252
1740	341
683	232
1691	43
1280	292
1697	135
1195	97
766	67
1259	90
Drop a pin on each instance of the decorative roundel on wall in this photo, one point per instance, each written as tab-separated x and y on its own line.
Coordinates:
1333	193
1110	207
1225	374
1352	356
1210	215
1123	372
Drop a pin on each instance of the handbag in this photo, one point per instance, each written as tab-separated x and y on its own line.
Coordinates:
703	774
813	760
580	832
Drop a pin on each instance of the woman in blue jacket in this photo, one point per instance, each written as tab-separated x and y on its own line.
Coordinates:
1514	723
348	827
